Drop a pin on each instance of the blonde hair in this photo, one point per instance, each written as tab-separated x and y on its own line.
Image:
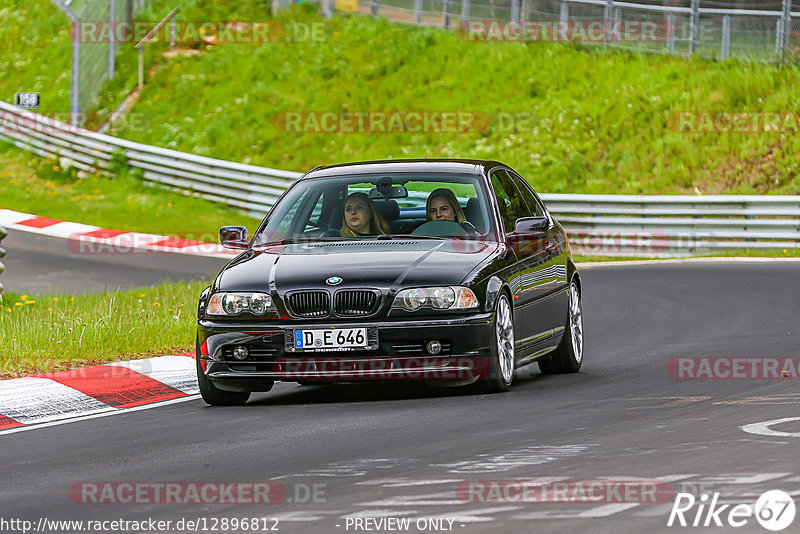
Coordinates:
377	225
450	198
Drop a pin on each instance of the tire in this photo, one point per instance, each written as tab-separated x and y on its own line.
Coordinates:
501	370
568	358
215	396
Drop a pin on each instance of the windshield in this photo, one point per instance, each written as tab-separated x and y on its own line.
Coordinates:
424	205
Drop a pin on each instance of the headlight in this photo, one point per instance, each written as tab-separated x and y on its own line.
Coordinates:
438	298
236	303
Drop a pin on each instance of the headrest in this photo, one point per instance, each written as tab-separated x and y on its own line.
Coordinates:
473	213
389	209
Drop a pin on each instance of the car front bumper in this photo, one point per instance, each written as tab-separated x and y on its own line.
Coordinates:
399	353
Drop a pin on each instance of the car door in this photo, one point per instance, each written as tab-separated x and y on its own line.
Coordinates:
526	276
551	291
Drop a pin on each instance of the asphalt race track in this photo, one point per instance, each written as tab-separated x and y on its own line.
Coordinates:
38	264
402	451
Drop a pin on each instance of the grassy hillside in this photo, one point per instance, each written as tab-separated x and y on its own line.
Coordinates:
593	120
597	120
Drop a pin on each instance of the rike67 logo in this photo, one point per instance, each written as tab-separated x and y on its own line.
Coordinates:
774	510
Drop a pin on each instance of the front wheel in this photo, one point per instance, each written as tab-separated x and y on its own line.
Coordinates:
569	355
501	370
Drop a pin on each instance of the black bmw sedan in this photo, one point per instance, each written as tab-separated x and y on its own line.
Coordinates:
438	270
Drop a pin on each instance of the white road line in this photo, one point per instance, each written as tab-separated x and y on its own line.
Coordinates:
763	428
604	510
404	482
98	415
40	400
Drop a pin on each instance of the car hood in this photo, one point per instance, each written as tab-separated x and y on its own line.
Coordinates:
376	264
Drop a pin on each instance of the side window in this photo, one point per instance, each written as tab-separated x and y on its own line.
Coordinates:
314	222
533	203
288	218
509	200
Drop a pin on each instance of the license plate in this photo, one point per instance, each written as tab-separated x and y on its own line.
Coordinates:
331	338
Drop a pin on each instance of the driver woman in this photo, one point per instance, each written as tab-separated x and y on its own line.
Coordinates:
442	205
360	218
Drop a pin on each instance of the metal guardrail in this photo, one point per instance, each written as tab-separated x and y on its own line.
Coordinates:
631	225
667	225
246	187
2	254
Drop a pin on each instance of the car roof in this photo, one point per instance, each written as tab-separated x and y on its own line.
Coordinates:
461	166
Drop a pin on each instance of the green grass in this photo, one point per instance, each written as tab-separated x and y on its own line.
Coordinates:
55	332
35	41
42	187
597	119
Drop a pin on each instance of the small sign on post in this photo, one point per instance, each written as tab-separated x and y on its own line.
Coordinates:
26	100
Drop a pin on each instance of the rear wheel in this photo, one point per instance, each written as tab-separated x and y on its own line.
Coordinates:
215	396
569	355
501	371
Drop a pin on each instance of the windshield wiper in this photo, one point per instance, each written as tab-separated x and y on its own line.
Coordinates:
276	242
389	237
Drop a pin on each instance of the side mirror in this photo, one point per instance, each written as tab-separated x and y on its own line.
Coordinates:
233	237
531	224
529	235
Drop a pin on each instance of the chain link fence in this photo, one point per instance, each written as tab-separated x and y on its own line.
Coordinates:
713	29
94	52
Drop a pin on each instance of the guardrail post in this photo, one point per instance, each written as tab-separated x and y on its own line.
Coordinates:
523	8
786	26
446	13
464	11
2	254
726	36
172	32
74	81
608	15
112	49
75	74
514	10
563	20
694	27
670	33
417	12
373	7
141	67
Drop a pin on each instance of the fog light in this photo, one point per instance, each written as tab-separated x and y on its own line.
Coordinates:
434	347
240	352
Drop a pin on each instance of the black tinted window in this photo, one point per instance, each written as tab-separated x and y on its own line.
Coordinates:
509	199
530	199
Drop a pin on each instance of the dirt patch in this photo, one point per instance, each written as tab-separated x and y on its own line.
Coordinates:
762	173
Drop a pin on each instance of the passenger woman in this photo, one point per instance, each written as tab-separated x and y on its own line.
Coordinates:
360	218
442	205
